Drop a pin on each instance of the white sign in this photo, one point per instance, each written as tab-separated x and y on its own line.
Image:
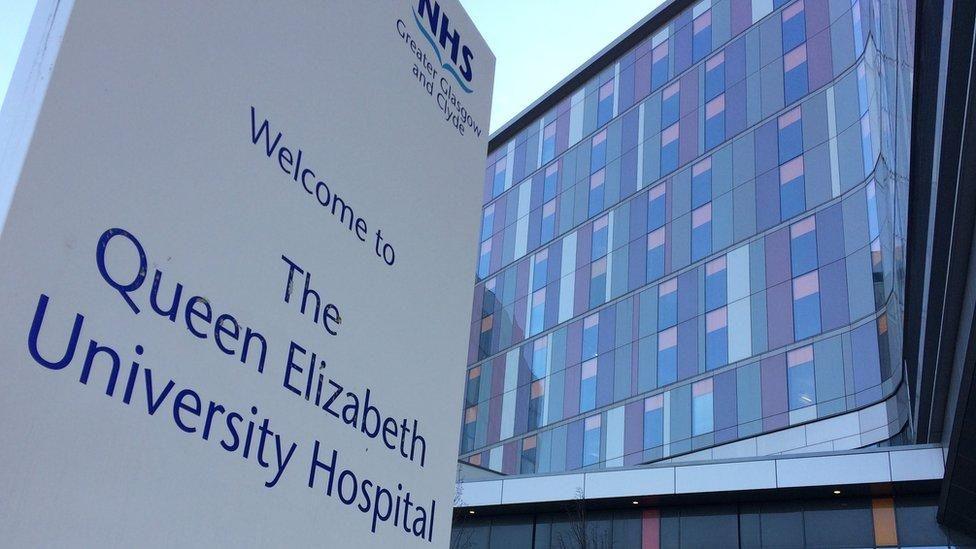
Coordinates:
237	251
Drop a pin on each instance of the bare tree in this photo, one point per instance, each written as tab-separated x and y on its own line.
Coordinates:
461	537
579	535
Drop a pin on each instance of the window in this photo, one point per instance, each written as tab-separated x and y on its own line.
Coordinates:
716	339
591	441
803	246
598	151
653	421
598	282
498	183
701	407
669	149
550	185
701	44
537	316
670	107
470	428
548	230
656	207
795	80
489	299
487	222
473	386
484	342
794	26
591	329
872	198
800	378
655	255
716	289
537	392
659	65
604	110
792	199
540	267
667	357
549	142
596	193
790	135
715	76
484	260
701	232
667	303
806	306
540	358
600	241
877	271
715	122
588	386
529	453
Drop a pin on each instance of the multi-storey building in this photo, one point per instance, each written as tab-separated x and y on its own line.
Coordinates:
689	320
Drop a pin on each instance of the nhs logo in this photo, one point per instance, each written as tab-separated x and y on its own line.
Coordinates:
435	25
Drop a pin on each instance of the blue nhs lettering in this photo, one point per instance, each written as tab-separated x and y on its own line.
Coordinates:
439	27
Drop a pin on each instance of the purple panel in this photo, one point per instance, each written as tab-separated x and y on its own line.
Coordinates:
767	200
524	365
688	349
642	84
607	330
741	15
518	164
736	109
625	86
688	99
638	216
604	379
497	376
562	131
830	234
555	260
735	62
867	368
637	267
687	295
819	66
552	304
501	208
724	402
834	309
538	181
633	432
509	458
775	407
494	419
779	315
574	445
777	257
688	138
628	173
630	125
574	343
489	183
521	409
681	44
767	147
582	298
634	363
479	300
518	327
584	241
817	15
535	226
522	279
571	395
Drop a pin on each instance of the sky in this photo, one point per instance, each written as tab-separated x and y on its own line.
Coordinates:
536	43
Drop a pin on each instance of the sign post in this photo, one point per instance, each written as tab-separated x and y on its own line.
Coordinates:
236	247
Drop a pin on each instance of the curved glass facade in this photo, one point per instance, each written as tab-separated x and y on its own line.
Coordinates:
703	244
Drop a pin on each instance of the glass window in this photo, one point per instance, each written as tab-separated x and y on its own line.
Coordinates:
549	142
484	260
484	342
598	151
795	79
803	246
792	197
487	222
548	230
537	318
790	135
670	106
551	184
800	378
806	306
872	198
716	339
701	183
591	330
659	65
655	255
529	445
667	357
600	241
667	303
596	192
498	183
473	386
701	232
669	149
701	407
656	207
877	272
591	440
470	428
598	282
588	386
540	267
540	358
715	75
715	122
716	288
653	421
794	26
701	44
489	299
605	106
537	392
